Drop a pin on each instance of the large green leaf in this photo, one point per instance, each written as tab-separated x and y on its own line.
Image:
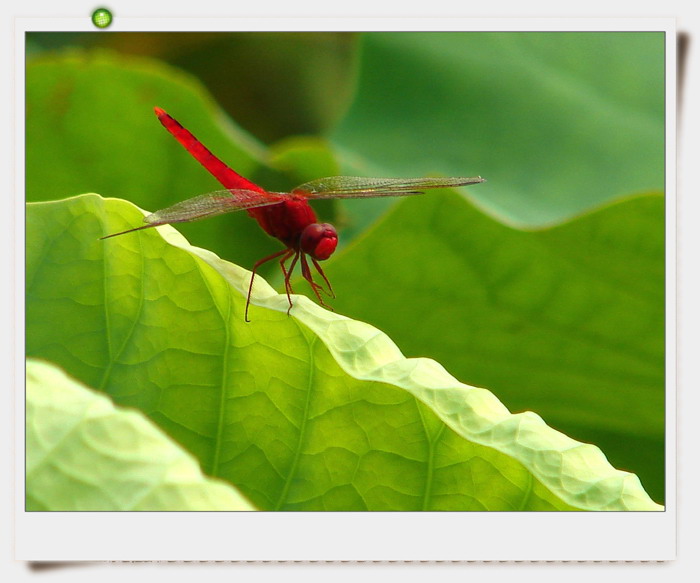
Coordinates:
557	122
567	321
312	411
85	454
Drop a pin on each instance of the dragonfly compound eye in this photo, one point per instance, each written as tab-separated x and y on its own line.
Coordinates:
319	240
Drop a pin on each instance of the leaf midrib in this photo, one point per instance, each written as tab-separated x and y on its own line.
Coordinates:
137	318
430	466
302	432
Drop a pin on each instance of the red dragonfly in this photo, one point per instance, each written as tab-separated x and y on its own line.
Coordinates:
285	216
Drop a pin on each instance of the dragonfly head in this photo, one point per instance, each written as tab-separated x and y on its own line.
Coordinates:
319	240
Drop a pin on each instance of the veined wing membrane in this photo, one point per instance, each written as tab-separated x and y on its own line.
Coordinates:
361	187
207	205
211	204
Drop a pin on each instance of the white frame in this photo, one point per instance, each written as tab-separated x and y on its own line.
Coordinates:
465	536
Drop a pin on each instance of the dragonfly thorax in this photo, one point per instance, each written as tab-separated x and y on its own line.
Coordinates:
319	240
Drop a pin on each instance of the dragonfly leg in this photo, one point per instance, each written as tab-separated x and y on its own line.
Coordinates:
287	275
258	263
306	272
323	275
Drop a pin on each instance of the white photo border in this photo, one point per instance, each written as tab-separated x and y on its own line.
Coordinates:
347	536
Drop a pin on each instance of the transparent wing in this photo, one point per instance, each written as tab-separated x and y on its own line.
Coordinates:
207	205
211	204
360	187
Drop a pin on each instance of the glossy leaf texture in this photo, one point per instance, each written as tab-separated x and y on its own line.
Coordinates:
310	412
85	454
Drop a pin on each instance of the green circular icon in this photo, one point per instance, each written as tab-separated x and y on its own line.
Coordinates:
102	18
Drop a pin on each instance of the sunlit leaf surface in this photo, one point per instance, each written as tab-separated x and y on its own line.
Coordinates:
83	453
308	412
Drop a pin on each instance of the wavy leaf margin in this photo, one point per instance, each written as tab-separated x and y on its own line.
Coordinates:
86	454
578	473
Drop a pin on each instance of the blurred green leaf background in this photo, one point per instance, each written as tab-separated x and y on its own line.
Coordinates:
564	320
